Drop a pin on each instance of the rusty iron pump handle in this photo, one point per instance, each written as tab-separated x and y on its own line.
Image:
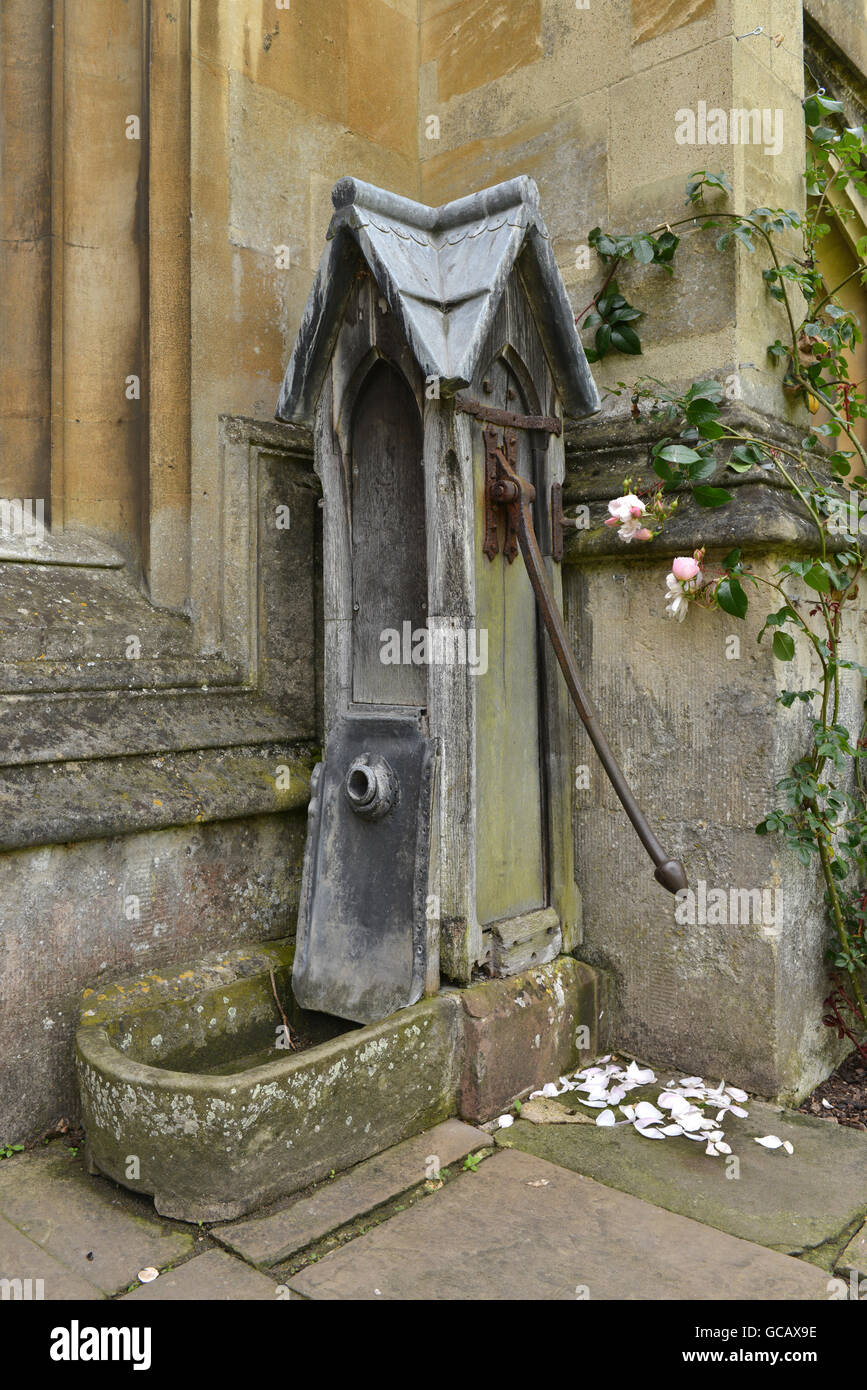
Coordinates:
514	492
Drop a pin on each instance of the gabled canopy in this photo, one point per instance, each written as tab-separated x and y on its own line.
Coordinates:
442	272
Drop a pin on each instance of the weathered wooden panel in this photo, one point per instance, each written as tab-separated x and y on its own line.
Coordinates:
511	875
389	564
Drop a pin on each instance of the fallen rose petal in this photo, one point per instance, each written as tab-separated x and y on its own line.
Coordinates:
505	1120
692	1121
645	1111
148	1275
642	1076
605	1117
770	1141
790	1148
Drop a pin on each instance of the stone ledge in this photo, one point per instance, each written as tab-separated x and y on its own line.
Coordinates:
57	803
762	515
109	724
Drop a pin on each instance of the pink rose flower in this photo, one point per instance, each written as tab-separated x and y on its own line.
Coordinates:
684	568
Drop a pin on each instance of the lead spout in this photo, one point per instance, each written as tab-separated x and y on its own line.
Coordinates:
511	490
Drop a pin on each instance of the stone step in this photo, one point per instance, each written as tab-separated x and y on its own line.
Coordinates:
266	1240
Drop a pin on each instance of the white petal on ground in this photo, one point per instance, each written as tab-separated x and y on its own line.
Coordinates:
148	1275
549	1089
642	1076
672	1130
505	1120
692	1121
677	1104
645	1111
790	1148
724	1148
770	1141
628	1111
737	1094
648	1131
605	1118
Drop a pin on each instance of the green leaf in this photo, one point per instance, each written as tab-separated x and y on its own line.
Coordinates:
707	389
818	579
704	468
626	339
731	597
642	250
711	496
784	646
816	105
678	453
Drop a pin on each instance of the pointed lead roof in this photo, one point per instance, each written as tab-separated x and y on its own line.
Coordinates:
442	272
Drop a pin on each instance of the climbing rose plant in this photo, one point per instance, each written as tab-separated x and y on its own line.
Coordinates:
822	805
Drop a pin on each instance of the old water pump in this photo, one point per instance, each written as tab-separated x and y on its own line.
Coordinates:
436	360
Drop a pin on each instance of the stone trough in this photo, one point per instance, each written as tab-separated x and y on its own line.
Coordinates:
186	1095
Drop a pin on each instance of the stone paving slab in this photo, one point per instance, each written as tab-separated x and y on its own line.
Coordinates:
810	1202
71	1215
21	1258
521	1228
269	1239
216	1275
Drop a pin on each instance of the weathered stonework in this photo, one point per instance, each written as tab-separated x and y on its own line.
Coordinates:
704	743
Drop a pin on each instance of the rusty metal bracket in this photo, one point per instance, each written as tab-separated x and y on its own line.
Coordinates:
508	489
499	459
508	419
